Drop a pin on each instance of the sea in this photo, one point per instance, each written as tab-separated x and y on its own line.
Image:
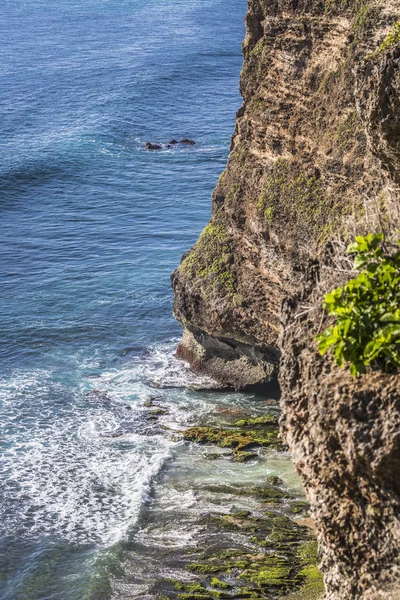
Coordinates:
92	225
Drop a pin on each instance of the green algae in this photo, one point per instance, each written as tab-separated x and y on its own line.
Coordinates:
215	582
277	576
268	493
241	514
299	506
264	420
193	596
203	568
307	553
212	455
244	456
277	556
236	439
274	480
312	587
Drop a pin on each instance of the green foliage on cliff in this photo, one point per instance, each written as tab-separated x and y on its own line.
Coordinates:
209	259
366	310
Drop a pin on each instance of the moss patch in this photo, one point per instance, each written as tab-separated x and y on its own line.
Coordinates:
307	553
265	420
215	582
299	507
209	259
295	198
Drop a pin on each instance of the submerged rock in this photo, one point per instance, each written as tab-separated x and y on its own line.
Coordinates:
99	396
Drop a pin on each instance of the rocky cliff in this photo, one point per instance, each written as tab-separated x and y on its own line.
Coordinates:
314	159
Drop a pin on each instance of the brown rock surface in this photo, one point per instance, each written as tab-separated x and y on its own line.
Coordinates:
300	164
344	436
314	159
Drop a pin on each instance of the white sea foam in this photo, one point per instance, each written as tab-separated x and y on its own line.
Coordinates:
159	368
59	475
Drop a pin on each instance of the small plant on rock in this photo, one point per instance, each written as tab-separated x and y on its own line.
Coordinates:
366	330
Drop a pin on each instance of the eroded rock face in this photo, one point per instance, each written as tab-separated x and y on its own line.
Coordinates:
299	163
344	436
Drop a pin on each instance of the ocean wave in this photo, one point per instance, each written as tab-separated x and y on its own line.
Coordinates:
60	476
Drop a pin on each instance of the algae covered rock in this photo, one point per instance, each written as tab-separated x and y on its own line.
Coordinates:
237	439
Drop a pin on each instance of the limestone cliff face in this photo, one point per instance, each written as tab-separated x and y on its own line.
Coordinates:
315	158
299	163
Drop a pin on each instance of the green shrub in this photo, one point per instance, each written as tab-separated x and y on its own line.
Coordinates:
367	310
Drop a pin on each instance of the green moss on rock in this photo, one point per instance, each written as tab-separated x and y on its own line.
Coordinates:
236	439
244	456
295	198
209	259
215	582
264	420
299	506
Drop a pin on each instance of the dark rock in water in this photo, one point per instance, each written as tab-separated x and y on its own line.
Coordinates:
274	480
99	396
172	142
152	400
189	142
150	146
244	456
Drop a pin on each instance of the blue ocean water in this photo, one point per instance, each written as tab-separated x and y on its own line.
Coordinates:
92	226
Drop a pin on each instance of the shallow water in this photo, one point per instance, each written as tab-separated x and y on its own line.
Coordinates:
92	226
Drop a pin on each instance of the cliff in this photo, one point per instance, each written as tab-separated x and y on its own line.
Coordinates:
314	160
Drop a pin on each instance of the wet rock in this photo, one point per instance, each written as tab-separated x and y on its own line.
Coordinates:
152	401
240	514
236	439
264	420
188	142
172	142
244	456
274	480
213	455
150	146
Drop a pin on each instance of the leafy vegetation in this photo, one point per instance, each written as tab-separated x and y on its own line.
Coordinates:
390	40
367	310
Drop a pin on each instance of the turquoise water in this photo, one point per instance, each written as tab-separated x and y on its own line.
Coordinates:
92	226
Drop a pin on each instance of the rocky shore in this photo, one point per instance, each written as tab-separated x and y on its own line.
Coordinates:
248	538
